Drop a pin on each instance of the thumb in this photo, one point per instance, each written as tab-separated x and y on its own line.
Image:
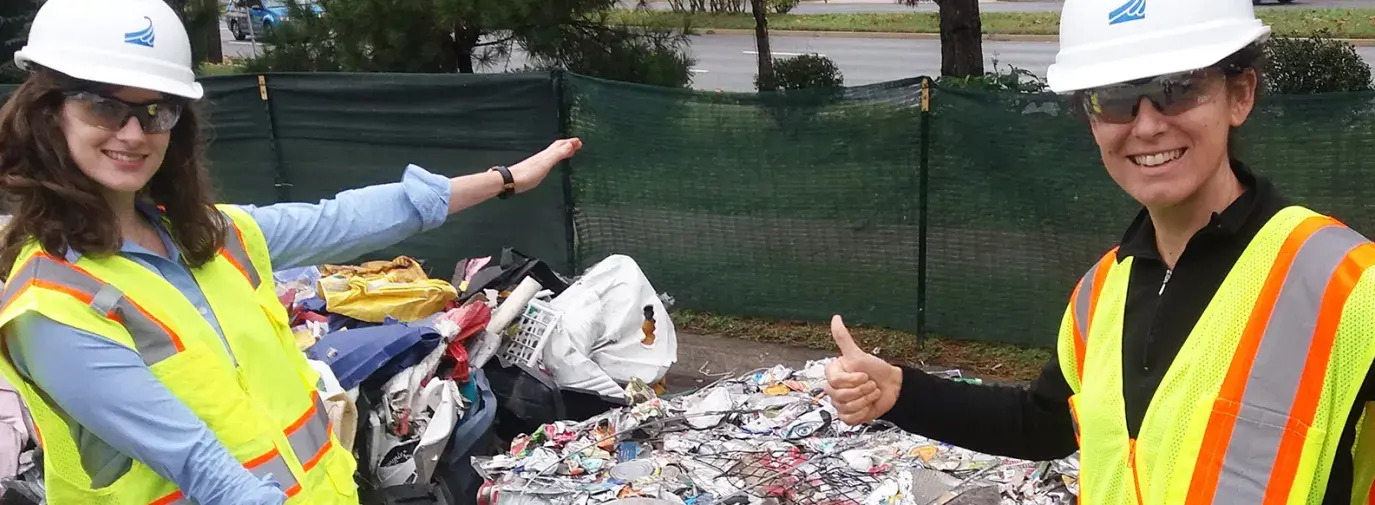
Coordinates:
844	341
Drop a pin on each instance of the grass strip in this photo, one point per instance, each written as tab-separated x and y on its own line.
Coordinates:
1286	22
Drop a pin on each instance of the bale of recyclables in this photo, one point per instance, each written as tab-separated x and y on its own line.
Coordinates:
765	438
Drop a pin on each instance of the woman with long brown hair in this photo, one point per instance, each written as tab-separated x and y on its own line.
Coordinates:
139	319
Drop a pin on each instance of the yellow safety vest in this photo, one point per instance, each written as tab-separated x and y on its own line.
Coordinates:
266	410
1252	408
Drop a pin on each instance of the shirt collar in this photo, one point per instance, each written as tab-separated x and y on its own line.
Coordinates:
1139	239
157	218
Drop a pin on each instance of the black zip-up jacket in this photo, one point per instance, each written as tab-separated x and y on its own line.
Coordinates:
1034	423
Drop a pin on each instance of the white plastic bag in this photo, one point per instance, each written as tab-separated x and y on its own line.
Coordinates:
603	340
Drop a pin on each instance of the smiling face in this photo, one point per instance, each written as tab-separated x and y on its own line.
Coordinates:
116	153
1164	158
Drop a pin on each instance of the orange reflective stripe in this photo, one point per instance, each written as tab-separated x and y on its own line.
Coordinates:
1074	419
1131	463
237	255
175	498
1339	287
270	464
1083	302
309	435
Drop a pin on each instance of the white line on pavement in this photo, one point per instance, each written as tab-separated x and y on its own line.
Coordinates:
777	53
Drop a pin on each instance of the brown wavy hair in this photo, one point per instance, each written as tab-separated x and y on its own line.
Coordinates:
61	208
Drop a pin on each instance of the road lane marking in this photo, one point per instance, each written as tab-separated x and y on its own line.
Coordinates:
778	53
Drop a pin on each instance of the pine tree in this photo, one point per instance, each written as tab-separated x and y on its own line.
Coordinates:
445	36
15	18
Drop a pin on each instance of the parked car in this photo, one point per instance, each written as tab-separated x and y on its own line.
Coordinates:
1258	2
265	15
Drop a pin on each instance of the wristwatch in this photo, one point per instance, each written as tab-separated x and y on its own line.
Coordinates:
508	185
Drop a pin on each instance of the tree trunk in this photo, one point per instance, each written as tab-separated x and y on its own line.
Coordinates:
761	44
961	38
214	48
463	46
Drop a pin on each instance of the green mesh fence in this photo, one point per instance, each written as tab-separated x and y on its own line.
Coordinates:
748	205
337	132
791	208
971	221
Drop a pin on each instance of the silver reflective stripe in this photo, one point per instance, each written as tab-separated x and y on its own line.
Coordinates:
233	246
310	437
47	272
277	468
274	466
1273	384
1083	302
153	341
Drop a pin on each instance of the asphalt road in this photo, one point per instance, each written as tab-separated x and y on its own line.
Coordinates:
727	62
849	6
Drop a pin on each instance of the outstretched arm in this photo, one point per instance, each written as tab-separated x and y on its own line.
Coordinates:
359	221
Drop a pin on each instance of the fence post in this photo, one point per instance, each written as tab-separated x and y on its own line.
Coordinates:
566	169
281	183
922	196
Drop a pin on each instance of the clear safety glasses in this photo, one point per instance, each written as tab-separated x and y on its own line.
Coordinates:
109	113
1171	94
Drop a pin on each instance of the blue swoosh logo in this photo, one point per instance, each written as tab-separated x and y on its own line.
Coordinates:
1133	10
142	37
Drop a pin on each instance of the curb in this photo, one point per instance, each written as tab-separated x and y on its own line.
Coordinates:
875	35
995	37
704	358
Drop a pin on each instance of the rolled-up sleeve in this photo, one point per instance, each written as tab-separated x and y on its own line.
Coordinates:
355	222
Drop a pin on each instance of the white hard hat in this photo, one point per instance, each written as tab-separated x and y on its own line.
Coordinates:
1113	41
135	43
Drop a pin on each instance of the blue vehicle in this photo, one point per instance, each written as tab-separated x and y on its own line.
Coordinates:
265	15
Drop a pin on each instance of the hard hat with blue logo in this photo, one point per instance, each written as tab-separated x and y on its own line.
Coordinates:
134	43
1106	42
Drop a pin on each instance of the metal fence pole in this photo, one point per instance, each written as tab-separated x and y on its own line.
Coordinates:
923	194
566	169
281	183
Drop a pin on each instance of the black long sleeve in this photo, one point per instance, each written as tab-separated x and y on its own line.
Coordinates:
1027	423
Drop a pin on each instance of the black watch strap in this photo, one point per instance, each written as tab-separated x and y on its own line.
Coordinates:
508	185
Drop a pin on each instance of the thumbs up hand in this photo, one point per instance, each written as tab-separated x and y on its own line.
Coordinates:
861	386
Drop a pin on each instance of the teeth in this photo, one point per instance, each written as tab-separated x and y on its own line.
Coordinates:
1151	160
121	156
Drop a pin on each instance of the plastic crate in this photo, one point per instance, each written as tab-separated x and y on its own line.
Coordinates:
524	342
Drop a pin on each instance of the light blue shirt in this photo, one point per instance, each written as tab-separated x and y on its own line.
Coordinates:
122	413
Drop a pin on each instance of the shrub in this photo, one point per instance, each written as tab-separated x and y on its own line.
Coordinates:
805	72
1317	64
783	6
1013	79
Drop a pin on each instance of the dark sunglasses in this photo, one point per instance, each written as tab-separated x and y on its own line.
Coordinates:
109	113
1171	94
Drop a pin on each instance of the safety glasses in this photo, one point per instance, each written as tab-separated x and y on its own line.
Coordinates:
1171	94
109	113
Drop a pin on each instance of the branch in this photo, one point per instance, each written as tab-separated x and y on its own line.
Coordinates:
496	42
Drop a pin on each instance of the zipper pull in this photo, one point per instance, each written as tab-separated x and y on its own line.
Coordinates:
1164	282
